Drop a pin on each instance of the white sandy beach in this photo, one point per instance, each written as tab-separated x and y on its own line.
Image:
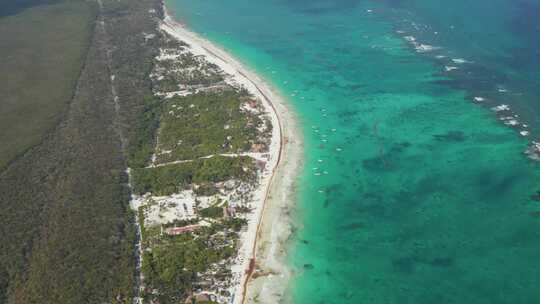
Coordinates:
268	225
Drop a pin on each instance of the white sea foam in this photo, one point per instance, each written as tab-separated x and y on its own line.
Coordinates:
533	151
420	47
450	68
479	99
409	38
524	133
460	61
500	108
424	48
511	122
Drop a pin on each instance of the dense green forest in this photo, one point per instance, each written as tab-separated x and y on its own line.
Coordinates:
15	6
175	264
42	52
174	178
67	232
207	123
144	137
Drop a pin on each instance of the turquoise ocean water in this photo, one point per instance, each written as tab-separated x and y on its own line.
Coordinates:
413	191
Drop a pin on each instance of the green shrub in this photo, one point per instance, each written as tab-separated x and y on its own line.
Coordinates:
166	180
211	212
207	124
142	146
207	189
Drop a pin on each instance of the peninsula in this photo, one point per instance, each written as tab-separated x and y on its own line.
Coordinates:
223	138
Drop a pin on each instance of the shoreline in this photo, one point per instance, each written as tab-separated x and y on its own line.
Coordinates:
261	245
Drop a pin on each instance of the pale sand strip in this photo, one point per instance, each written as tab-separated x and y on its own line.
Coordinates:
264	237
